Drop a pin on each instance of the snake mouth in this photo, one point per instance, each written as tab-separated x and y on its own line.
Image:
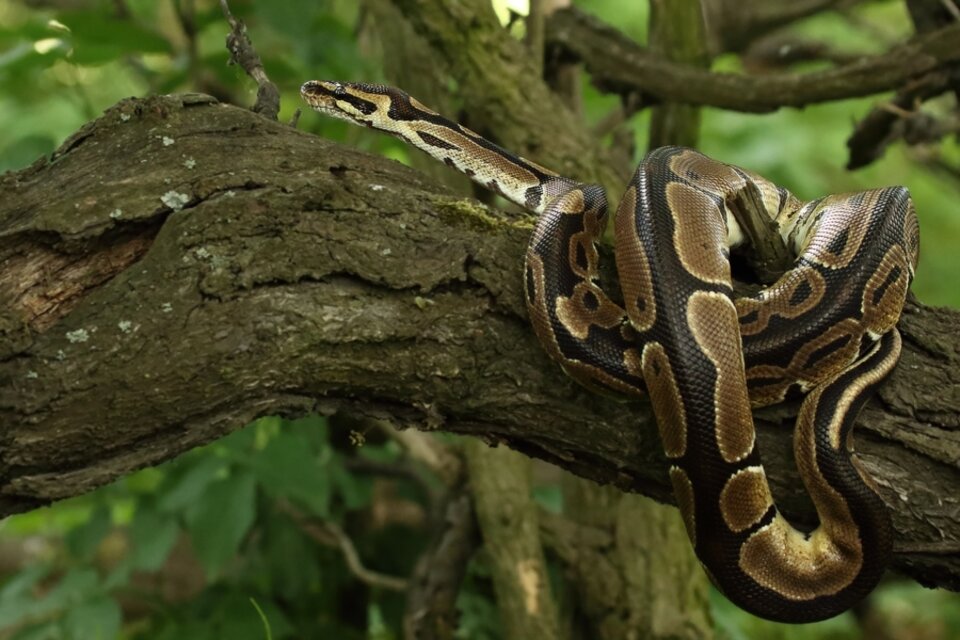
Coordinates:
336	99
320	95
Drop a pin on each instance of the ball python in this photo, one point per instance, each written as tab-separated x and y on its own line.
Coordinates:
825	330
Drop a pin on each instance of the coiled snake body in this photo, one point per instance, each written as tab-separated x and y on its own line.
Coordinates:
826	328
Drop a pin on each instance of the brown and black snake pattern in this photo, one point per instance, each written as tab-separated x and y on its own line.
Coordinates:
826	328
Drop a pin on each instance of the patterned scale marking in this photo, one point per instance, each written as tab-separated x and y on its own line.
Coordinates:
825	328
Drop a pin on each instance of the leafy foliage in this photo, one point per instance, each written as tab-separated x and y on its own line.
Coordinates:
215	520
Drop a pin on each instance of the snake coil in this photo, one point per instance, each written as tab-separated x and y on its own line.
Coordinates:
826	328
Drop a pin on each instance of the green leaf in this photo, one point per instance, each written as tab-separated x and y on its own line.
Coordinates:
145	481
24	55
97	619
84	540
315	428
22	583
153	535
187	488
76	586
292	561
34	27
357	492
240	442
43	631
99	38
287	16
118	577
189	630
550	497
220	520
287	469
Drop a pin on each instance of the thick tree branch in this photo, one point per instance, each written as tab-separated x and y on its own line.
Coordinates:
618	64
153	298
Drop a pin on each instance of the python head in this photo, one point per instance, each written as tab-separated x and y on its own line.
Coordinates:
358	102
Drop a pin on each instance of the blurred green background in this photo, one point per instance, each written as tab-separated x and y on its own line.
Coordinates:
198	548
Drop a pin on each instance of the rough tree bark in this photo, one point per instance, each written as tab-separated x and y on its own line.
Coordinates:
154	297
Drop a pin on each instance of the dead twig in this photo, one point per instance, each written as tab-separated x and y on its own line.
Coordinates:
243	53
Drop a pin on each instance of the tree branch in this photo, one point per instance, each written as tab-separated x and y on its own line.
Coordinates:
618	64
331	535
153	299
890	121
734	24
899	117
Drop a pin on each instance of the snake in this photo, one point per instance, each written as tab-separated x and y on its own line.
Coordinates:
824	331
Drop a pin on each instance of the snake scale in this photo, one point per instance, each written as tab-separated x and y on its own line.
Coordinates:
826	330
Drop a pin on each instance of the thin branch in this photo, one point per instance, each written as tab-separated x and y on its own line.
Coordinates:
779	52
901	117
243	53
618	64
331	535
630	104
402	469
885	35
936	163
952	8
928	15
427	450
121	10
735	24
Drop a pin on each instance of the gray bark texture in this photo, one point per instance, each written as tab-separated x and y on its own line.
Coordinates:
179	267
